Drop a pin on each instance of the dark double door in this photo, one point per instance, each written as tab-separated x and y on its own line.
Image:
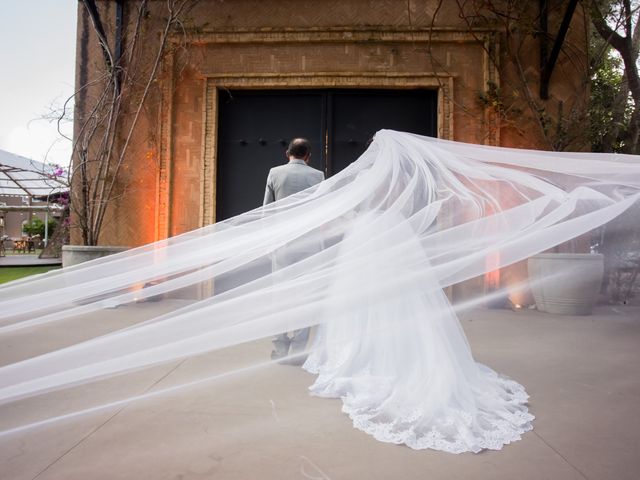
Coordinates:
255	128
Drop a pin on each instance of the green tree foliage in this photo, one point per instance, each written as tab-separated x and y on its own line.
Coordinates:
615	95
36	227
611	106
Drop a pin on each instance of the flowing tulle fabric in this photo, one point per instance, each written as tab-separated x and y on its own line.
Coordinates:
401	363
374	246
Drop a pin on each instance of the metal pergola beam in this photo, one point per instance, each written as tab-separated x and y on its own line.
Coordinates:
23	182
27	208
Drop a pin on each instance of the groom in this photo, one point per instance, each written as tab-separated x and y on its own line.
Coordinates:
285	180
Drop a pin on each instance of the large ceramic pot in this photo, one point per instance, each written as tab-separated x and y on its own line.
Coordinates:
566	283
74	254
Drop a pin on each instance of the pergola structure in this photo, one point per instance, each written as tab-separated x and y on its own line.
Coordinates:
23	177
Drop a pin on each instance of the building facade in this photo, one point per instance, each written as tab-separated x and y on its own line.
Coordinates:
240	78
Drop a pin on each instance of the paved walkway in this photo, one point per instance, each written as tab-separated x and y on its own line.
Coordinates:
582	374
26	260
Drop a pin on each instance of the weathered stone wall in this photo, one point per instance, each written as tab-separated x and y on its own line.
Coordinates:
130	220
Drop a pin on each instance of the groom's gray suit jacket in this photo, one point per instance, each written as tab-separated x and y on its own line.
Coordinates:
290	178
283	181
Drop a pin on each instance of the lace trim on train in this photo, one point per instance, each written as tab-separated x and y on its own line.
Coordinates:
455	433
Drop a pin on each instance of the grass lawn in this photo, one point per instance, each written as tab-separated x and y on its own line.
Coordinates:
13	273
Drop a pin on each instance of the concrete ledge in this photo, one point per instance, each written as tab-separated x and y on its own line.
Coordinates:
75	254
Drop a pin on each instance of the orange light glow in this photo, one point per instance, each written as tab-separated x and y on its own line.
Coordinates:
492	277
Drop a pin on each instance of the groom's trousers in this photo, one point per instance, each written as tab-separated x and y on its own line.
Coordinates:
283	343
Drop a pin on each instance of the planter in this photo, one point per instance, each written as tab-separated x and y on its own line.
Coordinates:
566	283
74	254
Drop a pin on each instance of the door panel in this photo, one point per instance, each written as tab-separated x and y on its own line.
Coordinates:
356	115
255	128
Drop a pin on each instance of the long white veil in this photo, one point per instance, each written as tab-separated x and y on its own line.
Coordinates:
471	209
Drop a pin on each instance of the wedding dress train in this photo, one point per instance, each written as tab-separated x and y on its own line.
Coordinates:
402	365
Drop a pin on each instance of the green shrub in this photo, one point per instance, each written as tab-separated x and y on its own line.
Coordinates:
36	227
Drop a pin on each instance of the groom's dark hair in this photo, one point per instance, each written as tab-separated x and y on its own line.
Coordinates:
299	148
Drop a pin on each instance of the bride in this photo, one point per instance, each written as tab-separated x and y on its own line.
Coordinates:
401	363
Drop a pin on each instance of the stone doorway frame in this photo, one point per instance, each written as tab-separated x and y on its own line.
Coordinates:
443	82
364	80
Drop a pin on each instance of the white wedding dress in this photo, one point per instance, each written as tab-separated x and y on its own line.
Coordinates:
402	365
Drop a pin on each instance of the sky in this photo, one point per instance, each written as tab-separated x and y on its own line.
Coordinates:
37	71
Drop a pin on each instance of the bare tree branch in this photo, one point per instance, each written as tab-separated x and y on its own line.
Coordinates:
119	96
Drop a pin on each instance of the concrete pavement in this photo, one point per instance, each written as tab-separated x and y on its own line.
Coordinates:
582	374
